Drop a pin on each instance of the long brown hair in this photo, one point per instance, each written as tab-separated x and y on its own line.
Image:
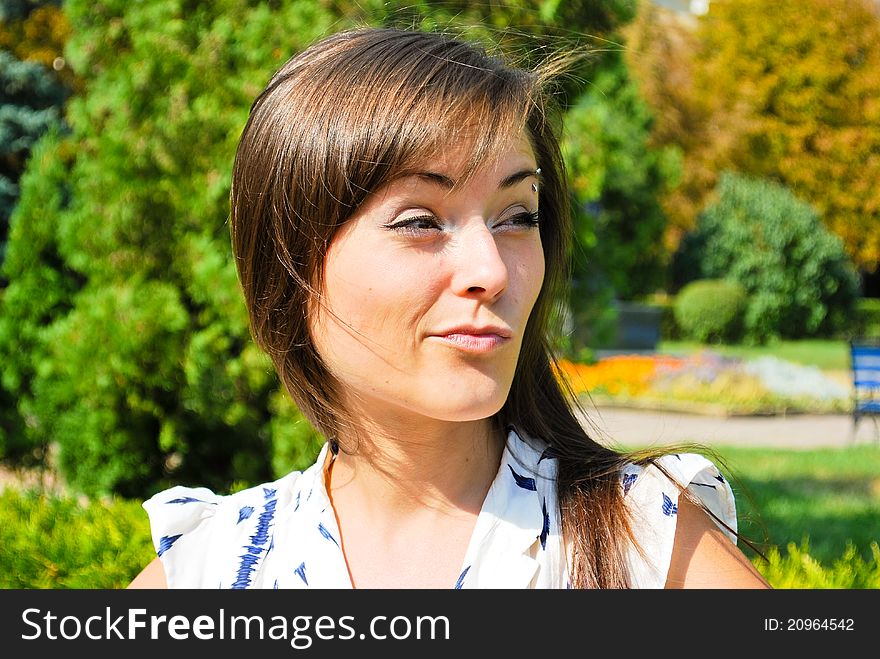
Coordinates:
345	117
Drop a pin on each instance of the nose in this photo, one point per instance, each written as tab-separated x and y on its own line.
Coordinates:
480	271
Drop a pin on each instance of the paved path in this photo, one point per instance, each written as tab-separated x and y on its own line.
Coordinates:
631	427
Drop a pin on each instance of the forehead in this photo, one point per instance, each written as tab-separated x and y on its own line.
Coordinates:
459	161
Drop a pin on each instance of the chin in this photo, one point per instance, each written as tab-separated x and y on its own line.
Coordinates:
469	409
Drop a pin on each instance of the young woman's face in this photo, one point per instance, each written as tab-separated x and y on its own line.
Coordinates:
427	289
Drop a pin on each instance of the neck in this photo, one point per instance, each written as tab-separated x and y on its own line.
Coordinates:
389	469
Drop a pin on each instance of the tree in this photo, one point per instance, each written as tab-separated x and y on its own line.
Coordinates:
659	53
617	180
136	361
790	94
32	89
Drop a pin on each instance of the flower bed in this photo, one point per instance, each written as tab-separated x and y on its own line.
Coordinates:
708	382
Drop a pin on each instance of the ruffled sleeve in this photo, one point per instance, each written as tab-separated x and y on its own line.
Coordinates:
652	499
182	523
205	540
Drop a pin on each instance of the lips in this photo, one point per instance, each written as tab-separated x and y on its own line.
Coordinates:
473	339
474	330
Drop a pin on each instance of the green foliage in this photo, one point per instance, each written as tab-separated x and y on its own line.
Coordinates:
41	289
798	277
33	87
30	103
52	541
710	310
868	317
616	179
12	10
829	494
513	24
123	334
115	400
295	442
798	569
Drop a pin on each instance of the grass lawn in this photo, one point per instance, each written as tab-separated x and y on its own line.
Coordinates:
825	496
826	354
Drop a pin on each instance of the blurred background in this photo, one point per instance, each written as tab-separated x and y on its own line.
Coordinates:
725	167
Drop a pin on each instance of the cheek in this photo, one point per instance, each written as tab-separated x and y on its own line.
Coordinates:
530	272
373	294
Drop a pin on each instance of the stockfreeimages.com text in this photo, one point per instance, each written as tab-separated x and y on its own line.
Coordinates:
301	631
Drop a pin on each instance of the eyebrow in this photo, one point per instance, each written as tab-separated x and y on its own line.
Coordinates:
446	182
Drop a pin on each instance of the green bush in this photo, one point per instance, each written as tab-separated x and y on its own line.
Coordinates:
868	317
799	280
711	311
798	569
124	339
50	541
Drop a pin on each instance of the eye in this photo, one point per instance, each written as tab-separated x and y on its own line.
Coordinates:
418	227
522	219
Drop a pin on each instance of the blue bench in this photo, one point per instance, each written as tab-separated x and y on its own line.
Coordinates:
865	360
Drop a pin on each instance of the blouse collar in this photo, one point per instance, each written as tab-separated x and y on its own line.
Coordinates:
516	532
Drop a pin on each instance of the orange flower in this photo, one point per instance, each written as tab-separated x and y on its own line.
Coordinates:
623	374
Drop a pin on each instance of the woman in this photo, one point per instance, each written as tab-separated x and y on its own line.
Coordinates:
400	226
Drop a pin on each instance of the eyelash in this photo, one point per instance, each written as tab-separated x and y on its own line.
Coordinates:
525	219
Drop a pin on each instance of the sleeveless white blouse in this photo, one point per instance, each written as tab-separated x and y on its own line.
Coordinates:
284	534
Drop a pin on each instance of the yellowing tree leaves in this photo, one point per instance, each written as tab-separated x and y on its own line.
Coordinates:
788	90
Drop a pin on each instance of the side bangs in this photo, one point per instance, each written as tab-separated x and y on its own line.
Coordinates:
433	106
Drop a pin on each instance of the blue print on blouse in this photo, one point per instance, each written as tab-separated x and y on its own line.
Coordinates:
296	507
165	543
628	480
548	453
546	530
523	481
244	513
719	478
326	533
669	508
258	539
190	500
301	571
460	582
268	493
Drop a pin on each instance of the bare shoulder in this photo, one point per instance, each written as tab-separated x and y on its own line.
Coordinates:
152	576
703	557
